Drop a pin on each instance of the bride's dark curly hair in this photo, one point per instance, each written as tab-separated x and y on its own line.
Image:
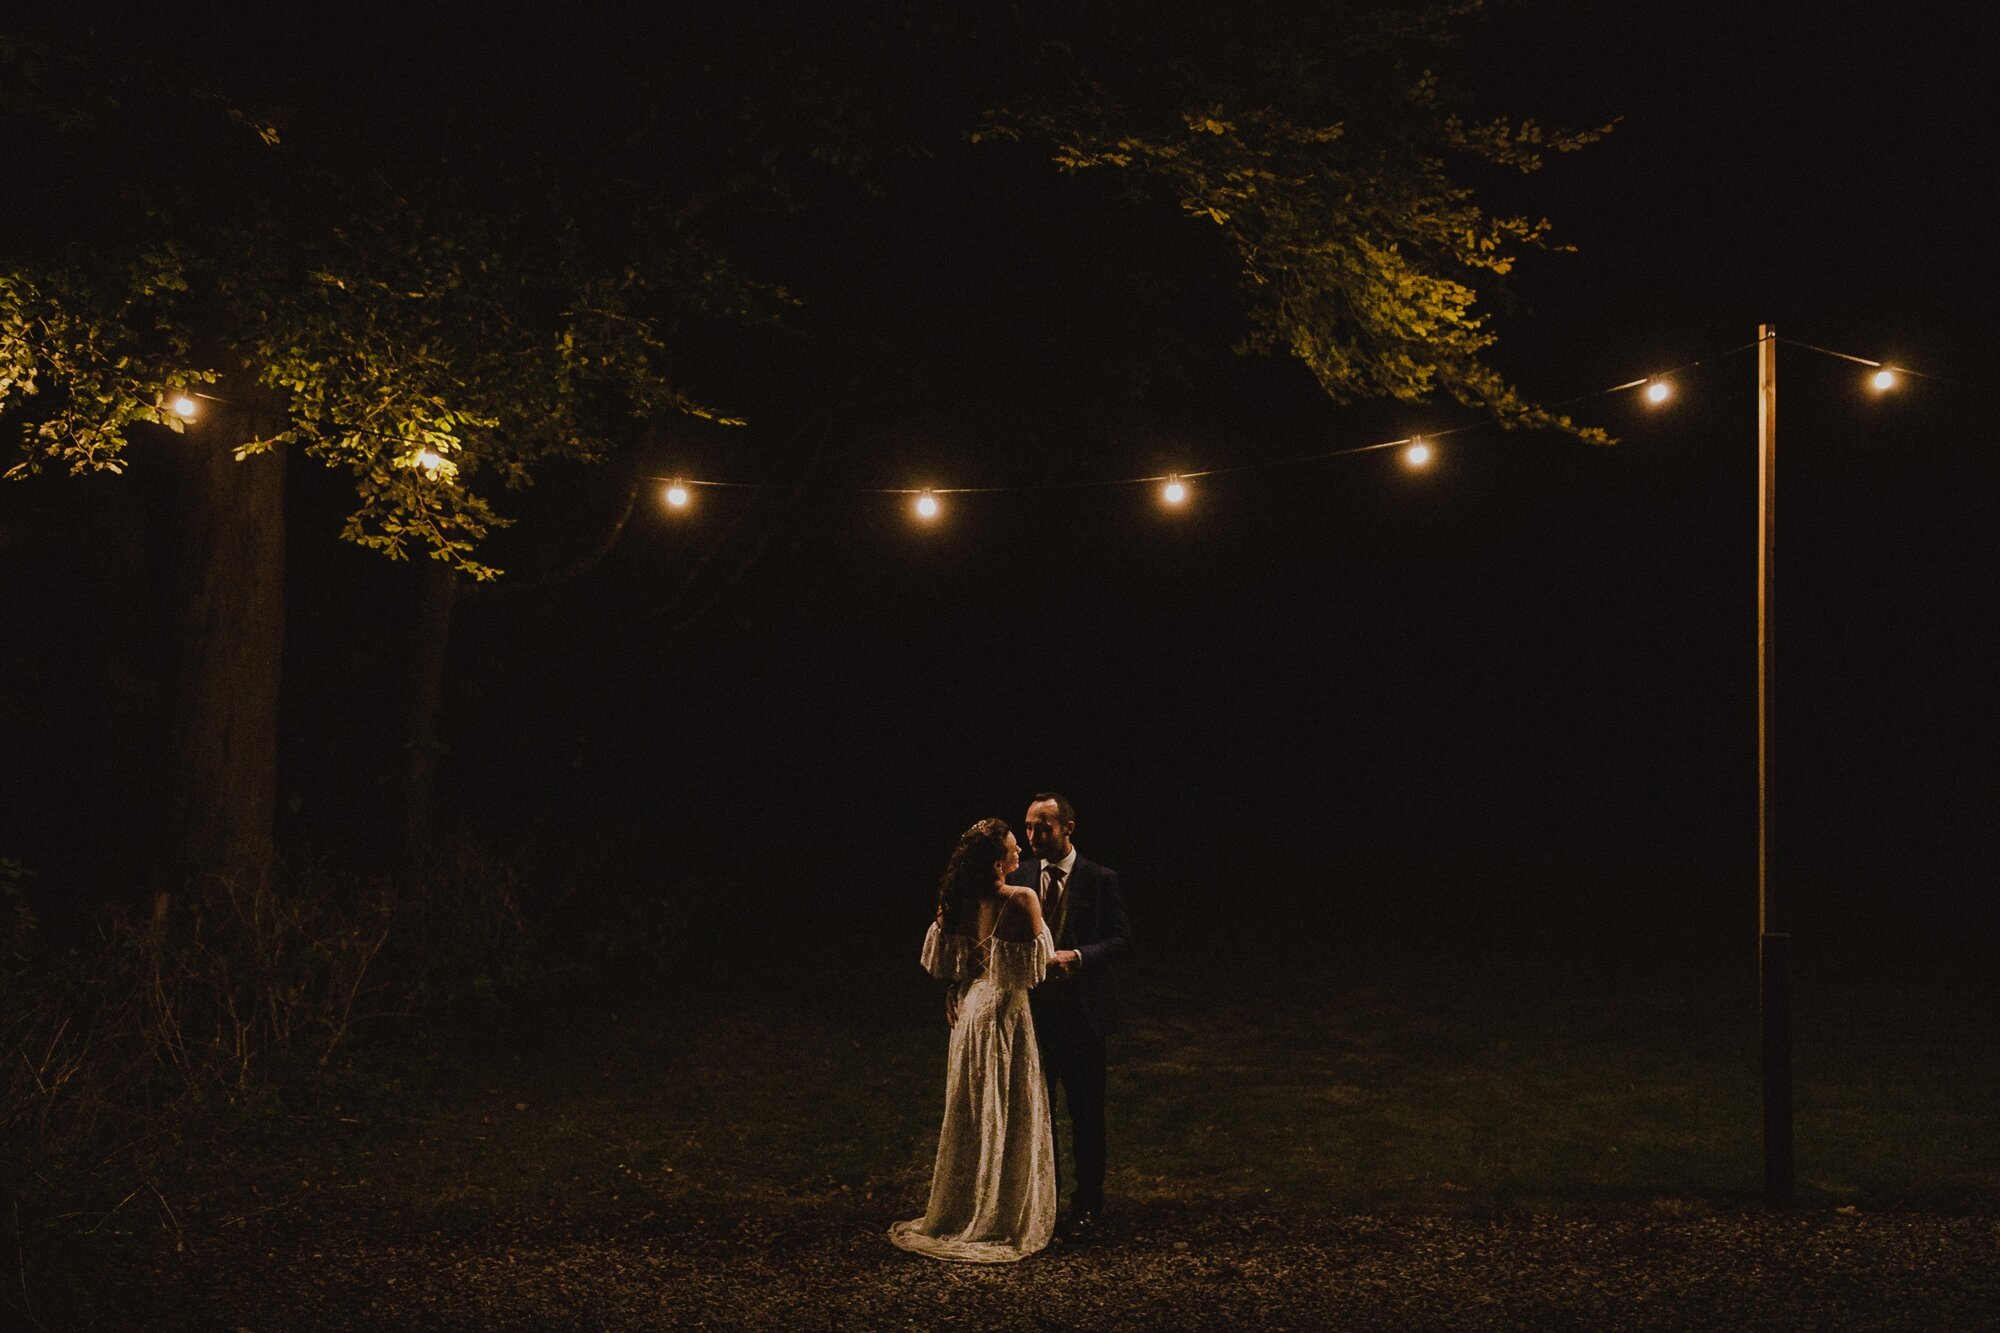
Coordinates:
969	875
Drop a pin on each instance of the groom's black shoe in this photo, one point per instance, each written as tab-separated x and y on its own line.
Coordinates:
1080	1227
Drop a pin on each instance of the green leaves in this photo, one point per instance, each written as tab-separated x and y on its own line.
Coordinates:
399	329
1328	167
84	359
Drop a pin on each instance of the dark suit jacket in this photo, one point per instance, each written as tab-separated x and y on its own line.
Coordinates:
1098	929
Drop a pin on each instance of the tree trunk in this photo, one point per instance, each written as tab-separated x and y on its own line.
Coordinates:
439	591
430	645
223	767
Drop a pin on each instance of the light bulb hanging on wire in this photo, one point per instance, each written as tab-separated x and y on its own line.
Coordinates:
1416	452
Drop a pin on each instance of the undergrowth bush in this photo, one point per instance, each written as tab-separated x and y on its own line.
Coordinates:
117	1045
125	1049
461	936
132	1046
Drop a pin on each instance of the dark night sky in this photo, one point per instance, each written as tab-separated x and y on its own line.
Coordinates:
1512	699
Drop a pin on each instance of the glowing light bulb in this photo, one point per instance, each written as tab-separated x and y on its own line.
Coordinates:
1175	491
1418	454
1658	391
430	461
927	506
1883	379
183	407
677	494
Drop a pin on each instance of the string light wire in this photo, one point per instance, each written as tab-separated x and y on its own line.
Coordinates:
1865	361
1191	474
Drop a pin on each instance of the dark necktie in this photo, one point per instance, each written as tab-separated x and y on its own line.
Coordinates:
1052	902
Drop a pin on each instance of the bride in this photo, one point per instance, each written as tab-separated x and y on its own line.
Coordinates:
993	1188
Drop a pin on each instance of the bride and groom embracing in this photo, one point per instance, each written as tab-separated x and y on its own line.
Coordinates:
1024	945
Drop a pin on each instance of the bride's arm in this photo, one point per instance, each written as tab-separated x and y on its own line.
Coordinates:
941	960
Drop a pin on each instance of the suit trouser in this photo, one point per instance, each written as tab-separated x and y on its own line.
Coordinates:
1075	1057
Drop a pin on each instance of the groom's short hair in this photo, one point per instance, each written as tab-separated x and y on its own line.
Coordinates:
1064	810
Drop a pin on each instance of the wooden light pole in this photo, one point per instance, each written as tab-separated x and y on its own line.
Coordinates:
1774	946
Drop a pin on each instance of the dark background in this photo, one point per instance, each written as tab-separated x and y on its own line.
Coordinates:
1499	711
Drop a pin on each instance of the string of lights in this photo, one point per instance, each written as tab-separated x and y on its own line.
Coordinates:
1658	389
1885	375
1175	489
1658	385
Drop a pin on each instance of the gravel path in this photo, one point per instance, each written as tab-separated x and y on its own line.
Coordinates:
1645	1268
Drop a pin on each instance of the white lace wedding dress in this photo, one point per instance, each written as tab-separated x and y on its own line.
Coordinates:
993	1189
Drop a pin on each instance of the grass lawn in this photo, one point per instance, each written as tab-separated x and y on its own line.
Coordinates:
1281	1102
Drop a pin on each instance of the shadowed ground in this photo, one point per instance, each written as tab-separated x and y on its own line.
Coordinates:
1286	1153
1163	1267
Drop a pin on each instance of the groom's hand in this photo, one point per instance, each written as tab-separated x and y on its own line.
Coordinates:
951	1006
1066	961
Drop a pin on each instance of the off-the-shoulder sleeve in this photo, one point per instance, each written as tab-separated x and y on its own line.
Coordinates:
1018	965
946	956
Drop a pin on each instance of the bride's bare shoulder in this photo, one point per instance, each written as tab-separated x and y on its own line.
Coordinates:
1023	898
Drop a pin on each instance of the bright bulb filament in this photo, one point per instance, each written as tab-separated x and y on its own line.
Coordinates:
1417	455
677	495
927	505
1658	392
1883	379
184	407
1175	491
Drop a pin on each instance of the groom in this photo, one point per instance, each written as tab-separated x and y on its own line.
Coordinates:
1072	1007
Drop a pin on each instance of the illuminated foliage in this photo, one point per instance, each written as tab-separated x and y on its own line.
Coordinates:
1323	146
434	330
470	295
